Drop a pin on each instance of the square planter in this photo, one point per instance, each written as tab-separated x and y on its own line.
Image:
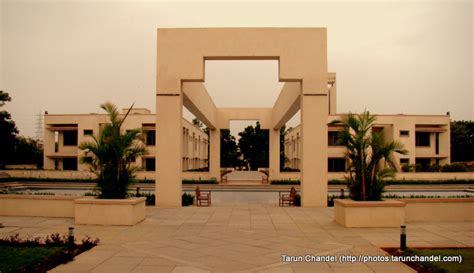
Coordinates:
386	213
118	212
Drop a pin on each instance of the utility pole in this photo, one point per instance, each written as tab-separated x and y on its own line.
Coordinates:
39	126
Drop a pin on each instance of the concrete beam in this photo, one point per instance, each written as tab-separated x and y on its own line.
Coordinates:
263	115
287	104
197	100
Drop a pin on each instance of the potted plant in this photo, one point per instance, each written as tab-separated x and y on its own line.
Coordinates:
110	157
371	160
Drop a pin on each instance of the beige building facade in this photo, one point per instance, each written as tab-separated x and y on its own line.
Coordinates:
63	134
425	137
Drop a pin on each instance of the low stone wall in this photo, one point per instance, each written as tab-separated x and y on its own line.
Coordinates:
398	176
387	213
439	209
126	212
50	174
37	205
206	175
435	176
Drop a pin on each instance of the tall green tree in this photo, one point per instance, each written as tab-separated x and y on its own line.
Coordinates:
371	157
201	125
462	141
28	151
8	132
253	144
111	153
229	150
282	147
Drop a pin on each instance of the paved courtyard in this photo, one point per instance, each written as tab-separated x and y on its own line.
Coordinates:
238	238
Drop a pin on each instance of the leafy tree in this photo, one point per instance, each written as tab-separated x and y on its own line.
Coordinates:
462	141
371	158
253	145
28	151
201	125
229	150
4	97
282	147
8	132
112	154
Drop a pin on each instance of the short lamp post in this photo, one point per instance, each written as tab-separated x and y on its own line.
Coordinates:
403	238
70	239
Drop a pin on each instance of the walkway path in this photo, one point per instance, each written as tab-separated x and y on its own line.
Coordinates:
243	238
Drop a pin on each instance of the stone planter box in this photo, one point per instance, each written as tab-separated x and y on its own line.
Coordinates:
386	213
439	209
120	212
37	205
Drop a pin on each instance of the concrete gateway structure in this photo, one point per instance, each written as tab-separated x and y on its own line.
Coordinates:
302	57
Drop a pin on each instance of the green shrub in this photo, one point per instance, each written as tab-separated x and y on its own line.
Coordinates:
286	182
297	201
455	167
199	181
187	199
419	168
407	168
433	168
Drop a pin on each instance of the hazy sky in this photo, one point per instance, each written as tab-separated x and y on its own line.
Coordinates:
70	56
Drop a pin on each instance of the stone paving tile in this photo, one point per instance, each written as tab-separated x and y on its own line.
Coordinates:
153	269
236	238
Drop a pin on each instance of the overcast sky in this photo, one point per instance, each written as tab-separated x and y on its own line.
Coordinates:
70	56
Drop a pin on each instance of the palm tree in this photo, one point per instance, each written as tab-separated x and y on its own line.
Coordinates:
112	154
371	158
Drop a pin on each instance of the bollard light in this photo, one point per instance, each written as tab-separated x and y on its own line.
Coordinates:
138	192
70	238
342	193
403	238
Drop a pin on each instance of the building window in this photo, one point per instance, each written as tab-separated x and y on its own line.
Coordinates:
88	132
70	138
404	161
336	164
437	144
404	133
70	164
422	139
150	164
423	161
334	138
377	130
150	138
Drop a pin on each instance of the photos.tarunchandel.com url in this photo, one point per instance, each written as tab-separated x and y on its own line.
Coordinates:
369	258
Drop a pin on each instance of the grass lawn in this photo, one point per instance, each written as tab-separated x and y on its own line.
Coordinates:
467	264
13	258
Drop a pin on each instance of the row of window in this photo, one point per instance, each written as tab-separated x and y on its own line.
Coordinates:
70	137
422	139
70	164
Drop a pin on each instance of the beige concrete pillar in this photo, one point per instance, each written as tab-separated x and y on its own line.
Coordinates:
314	150
168	149
48	146
215	153
274	153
